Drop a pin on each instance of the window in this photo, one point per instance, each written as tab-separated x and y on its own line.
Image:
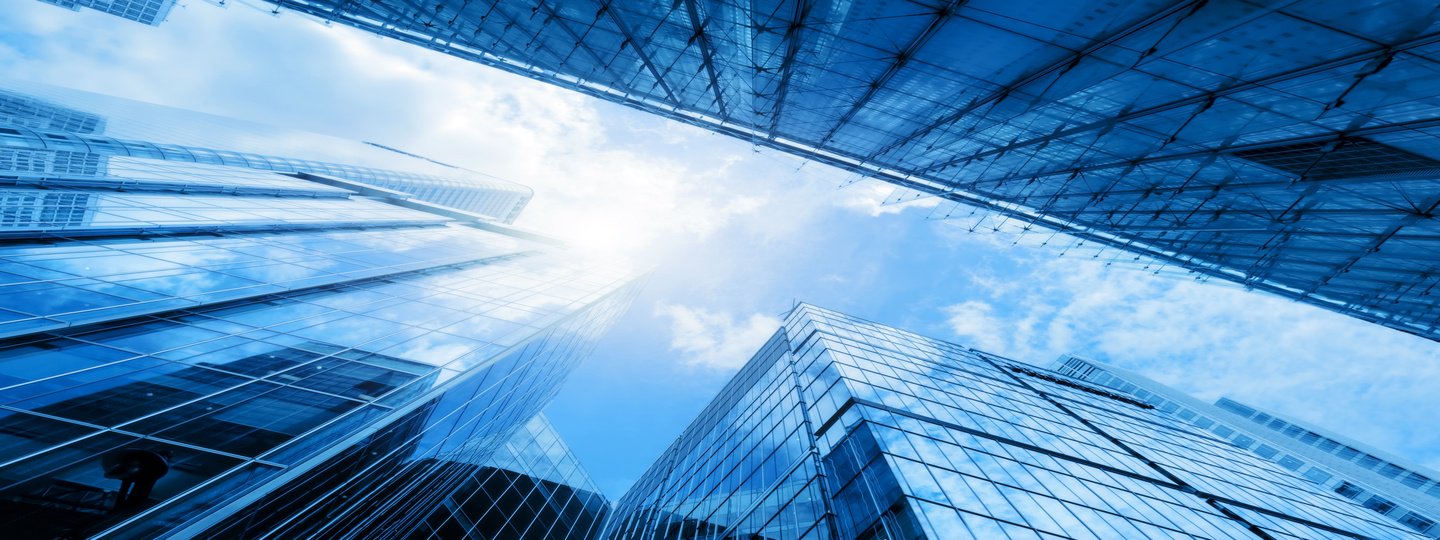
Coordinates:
1318	476
1415	480
1235	407
1266	451
1417	521
1390	470
1289	462
1348	490
1379	504
1350	158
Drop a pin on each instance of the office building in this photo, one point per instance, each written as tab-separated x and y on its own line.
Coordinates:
531	489
845	429
50	140
1287	146
191	348
151	12
1389	485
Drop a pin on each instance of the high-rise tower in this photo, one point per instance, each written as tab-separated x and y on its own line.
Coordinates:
845	429
203	340
151	12
1287	146
1386	484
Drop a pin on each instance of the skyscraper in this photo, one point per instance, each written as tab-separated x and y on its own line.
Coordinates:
198	348
151	12
532	489
1287	146
1386	484
52	141
841	428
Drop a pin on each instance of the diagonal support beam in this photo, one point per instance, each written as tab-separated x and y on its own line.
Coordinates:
1428	210
607	8
578	39
903	57
707	55
1062	65
1221	150
787	65
1199	99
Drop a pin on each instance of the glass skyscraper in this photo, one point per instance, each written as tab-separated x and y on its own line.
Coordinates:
151	12
201	339
50	139
1287	146
1389	485
846	429
532	489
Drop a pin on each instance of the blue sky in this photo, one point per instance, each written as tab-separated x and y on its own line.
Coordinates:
736	235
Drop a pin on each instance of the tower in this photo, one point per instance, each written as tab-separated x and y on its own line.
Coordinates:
202	341
844	428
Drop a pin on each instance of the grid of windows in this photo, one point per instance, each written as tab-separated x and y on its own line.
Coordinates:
391	483
263	385
923	438
1336	463
36	149
198	348
92	280
151	12
31	213
533	488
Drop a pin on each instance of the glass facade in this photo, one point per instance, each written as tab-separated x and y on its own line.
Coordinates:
531	489
1402	491
270	355
843	428
151	12
1287	146
49	139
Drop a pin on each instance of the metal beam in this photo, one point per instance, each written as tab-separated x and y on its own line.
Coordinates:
1234	187
1244	250
902	58
1198	99
706	55
1380	239
599	62
1219	150
787	64
607	8
1254	212
1062	65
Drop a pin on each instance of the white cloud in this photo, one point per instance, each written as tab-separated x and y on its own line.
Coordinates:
715	340
974	321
